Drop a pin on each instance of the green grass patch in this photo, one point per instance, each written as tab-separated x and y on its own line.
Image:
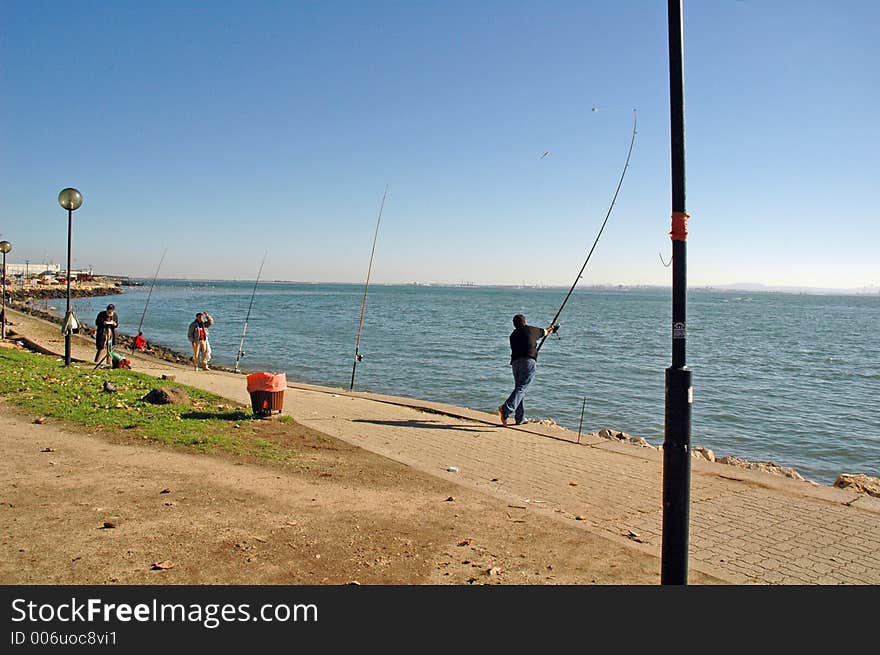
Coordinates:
41	385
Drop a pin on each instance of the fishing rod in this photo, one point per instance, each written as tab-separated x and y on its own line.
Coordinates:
610	207
244	330
147	302
357	356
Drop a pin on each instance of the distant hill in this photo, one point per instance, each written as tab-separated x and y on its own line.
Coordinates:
756	286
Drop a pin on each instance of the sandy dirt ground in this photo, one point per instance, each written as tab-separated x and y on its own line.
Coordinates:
97	509
103	508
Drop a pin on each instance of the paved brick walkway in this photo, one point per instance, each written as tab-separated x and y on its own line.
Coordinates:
746	527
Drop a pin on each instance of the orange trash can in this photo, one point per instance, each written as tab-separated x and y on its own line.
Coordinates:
267	392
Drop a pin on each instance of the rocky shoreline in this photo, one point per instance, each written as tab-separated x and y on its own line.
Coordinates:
47	293
857	482
98	286
125	341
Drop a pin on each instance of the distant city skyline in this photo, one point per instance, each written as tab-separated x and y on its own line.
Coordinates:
219	132
736	287
17	267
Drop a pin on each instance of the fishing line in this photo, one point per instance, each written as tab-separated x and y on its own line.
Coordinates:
357	356
247	318
610	207
147	302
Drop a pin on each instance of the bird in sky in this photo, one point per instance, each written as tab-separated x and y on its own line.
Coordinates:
546	154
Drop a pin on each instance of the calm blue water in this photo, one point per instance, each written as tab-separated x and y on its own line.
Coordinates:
788	378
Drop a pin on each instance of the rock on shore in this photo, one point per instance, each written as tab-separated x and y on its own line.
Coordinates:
862	483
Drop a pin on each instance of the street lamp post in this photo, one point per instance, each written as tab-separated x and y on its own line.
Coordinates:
70	199
679	389
5	247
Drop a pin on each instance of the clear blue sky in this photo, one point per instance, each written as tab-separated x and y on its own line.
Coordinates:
222	130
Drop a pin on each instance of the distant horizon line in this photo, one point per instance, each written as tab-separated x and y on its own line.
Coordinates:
740	286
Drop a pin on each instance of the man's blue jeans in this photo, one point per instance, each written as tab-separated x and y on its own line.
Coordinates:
523	374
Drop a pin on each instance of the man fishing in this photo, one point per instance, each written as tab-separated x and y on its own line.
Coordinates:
524	344
523	361
105	338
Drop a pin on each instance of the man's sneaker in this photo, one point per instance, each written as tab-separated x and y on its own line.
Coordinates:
500	411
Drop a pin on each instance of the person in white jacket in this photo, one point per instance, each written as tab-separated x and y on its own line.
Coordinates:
198	337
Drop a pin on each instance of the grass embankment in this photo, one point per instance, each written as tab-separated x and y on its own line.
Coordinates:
42	386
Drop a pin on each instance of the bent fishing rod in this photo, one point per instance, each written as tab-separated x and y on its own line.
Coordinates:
247	318
147	301
357	356
590	254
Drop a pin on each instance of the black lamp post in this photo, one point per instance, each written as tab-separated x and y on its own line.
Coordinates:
5	247
679	390
70	199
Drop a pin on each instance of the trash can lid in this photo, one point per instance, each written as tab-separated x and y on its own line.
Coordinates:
263	381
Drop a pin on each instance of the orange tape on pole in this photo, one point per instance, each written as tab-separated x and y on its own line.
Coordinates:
679	226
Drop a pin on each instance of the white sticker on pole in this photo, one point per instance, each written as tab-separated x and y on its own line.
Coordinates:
690	395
